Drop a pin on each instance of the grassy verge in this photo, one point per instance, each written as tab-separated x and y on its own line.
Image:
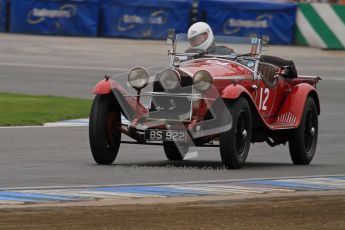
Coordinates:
19	109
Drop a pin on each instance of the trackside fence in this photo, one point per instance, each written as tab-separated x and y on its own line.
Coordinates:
247	17
55	17
3	15
319	25
143	19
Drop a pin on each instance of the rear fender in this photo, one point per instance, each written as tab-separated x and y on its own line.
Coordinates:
292	110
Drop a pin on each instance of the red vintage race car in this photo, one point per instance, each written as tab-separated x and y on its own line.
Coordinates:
204	99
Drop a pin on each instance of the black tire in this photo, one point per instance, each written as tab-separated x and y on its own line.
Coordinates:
104	135
235	143
303	140
174	153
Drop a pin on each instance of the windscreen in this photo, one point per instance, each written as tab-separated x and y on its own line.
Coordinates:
240	45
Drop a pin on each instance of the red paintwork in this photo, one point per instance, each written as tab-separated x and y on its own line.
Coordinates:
106	87
285	101
234	91
295	101
102	87
217	67
220	69
279	107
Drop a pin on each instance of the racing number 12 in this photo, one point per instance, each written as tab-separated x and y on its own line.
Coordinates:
264	94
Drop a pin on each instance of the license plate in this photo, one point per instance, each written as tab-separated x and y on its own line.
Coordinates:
165	135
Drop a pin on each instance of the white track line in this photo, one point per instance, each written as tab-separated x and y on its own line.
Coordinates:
88	194
62	66
166	183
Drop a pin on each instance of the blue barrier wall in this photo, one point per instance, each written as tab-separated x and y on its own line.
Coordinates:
144	19
56	17
245	17
2	15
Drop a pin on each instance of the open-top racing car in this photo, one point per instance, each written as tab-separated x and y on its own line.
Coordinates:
203	99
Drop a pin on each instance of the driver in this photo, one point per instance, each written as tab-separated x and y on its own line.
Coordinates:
201	40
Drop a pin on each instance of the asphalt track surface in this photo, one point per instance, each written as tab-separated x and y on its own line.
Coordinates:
71	66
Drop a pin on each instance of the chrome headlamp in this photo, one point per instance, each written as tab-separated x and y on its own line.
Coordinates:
202	80
169	79
138	78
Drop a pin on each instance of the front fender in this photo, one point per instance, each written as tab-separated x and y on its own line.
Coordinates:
130	107
235	91
295	102
103	87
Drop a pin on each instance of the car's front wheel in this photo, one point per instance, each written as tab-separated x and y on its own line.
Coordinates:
104	133
175	151
303	140
234	144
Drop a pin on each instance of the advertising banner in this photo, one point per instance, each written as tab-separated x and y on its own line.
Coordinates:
55	17
3	9
144	19
248	17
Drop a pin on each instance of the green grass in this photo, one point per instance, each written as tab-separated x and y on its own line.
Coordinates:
19	109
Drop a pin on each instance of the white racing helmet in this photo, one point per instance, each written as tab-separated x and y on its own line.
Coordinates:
200	36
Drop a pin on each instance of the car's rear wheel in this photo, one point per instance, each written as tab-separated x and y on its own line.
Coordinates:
174	152
303	140
104	133
234	143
